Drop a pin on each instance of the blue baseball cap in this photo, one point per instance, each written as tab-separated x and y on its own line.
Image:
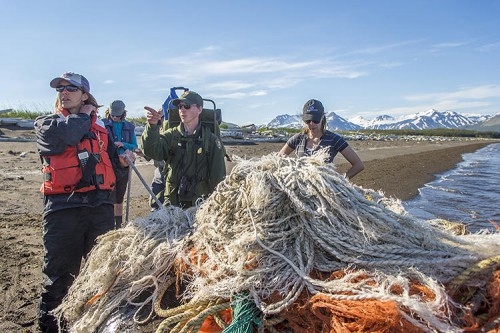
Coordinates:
75	79
117	108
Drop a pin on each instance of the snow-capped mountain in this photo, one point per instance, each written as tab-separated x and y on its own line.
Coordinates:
286	121
423	120
478	118
428	120
491	124
335	122
375	123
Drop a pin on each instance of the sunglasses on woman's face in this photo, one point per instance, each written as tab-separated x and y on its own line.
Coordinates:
314	121
187	107
68	88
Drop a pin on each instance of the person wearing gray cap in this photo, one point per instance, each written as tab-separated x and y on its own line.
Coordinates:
79	167
193	154
314	137
123	134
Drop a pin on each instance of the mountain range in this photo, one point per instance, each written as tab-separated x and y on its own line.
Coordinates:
430	119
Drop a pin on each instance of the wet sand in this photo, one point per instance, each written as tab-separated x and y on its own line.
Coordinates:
398	168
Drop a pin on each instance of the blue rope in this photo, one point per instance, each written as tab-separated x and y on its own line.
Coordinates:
246	315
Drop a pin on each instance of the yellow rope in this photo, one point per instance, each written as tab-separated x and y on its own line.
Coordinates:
157	306
475	269
218	319
180	319
194	324
189	317
165	313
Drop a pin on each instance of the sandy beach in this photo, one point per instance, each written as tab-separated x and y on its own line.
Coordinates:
398	168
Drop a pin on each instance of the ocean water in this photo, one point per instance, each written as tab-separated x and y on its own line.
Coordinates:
470	193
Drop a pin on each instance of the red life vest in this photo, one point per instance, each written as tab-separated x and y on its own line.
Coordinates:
63	173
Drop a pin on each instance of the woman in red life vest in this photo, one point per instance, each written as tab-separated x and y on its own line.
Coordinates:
79	165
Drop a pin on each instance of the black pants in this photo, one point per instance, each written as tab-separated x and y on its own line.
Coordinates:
69	235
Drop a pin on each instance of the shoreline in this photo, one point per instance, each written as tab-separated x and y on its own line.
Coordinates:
412	171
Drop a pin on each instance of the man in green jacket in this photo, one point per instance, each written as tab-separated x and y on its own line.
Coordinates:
193	154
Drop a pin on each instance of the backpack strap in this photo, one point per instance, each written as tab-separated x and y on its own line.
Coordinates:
301	147
206	139
176	139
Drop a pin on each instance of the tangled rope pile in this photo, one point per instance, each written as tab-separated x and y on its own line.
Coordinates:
277	229
124	265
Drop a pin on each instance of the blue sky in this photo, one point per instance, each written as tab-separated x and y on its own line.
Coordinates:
258	59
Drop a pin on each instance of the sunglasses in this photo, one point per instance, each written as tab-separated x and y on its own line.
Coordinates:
309	121
68	88
187	107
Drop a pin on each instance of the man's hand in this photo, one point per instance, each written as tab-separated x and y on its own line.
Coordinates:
123	158
119	144
153	116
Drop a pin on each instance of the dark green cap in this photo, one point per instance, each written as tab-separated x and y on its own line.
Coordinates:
189	97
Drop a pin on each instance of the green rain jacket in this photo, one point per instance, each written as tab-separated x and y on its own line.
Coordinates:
194	164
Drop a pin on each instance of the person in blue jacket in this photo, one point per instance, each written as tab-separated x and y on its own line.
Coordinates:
124	138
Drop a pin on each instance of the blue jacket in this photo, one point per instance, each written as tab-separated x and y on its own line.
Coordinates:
127	135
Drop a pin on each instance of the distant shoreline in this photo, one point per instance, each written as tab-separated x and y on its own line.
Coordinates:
402	176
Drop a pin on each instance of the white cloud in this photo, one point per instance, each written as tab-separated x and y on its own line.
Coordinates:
109	82
479	92
240	95
467	99
448	45
382	48
258	93
440	106
339	72
230	85
488	47
252	66
236	95
240	75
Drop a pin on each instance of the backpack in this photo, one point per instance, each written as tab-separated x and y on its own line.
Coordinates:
210	118
208	126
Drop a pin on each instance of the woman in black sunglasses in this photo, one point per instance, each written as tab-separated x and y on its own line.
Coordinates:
79	165
315	137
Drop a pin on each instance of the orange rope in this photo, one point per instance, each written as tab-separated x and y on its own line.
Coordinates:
493	292
96	297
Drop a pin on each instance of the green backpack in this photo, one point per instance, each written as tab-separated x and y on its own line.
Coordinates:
210	120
